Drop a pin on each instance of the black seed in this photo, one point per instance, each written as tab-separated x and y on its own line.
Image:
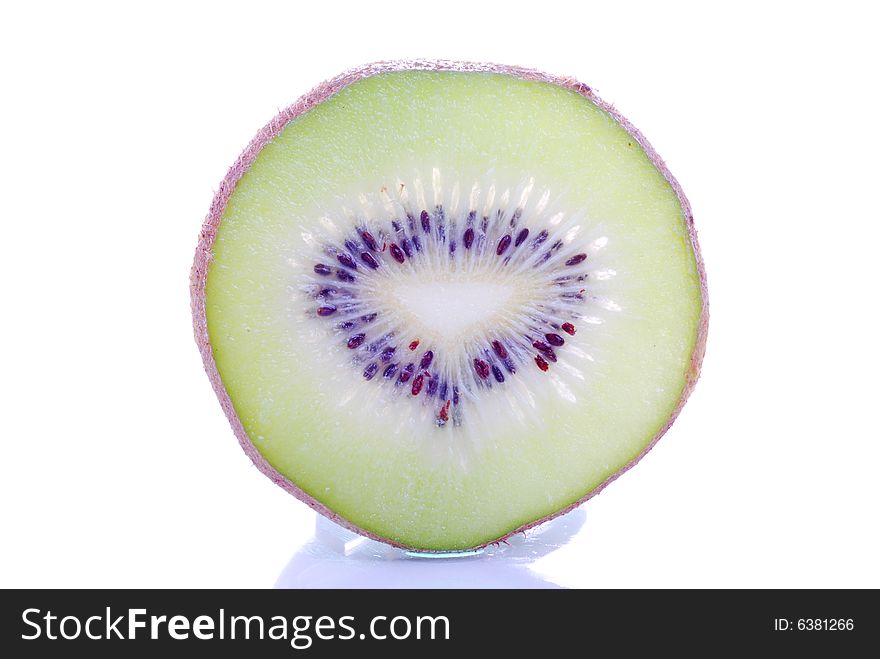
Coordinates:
521	237
468	238
323	270
352	246
515	218
417	242
387	354
499	376
389	371
397	253
547	350
370	370
426	222
348	324
369	318
427	358
347	261
455	394
327	292
484	225
574	260
508	364
406	373
452	247
471	217
369	240
367	258
407	246
444	389
499	349
356	340
433	383
503	244
441	222
539	239
326	310
396	225
412	221
554	339
342	275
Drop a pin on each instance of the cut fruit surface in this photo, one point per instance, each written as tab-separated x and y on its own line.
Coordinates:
443	302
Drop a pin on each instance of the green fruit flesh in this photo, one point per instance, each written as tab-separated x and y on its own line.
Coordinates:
524	451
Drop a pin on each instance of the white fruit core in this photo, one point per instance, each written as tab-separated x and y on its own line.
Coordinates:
475	290
453	309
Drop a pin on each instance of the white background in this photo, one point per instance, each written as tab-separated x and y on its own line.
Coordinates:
116	124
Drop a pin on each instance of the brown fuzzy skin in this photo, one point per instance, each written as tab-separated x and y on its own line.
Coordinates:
324	91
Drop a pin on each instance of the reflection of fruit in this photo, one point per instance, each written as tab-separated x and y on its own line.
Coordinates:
337	558
442	302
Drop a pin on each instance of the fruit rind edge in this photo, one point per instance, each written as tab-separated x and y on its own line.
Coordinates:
320	93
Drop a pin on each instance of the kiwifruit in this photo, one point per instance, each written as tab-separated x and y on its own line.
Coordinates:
443	302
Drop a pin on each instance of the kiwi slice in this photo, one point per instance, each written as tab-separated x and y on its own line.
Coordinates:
443	302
